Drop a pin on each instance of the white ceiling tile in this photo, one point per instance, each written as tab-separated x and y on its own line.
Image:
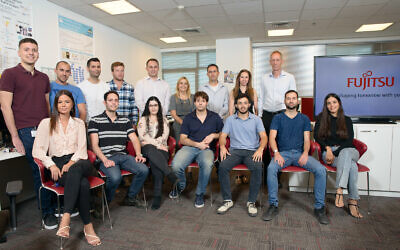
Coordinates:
282	16
282	5
221	20
246	19
191	3
206	11
67	4
363	11
322	4
311	24
243	8
319	14
215	29
89	11
392	7
350	23
138	17
150	5
365	2
251	28
180	24
171	14
151	26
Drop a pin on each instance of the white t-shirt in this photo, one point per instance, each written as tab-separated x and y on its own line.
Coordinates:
94	95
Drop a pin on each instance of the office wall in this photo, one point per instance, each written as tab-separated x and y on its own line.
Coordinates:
109	45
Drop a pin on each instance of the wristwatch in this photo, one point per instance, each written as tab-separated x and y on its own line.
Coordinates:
275	151
140	155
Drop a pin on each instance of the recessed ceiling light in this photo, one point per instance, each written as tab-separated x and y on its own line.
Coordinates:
174	39
373	27
116	7
281	32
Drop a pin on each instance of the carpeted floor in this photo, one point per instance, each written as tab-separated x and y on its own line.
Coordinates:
178	225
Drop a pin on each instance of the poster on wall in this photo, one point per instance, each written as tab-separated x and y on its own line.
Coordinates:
16	22
76	45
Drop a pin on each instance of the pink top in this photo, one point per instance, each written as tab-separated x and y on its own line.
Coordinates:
147	137
59	143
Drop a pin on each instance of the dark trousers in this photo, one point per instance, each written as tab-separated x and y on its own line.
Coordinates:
76	186
47	197
158	160
267	119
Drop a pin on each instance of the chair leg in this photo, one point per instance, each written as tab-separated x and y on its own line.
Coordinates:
144	198
59	215
369	208
211	189
308	182
40	208
105	201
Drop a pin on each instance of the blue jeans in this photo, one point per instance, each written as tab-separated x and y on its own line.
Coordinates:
346	170
240	156
185	156
48	203
291	157
128	163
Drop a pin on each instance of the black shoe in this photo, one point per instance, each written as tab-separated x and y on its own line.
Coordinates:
270	213
321	216
49	221
134	202
156	203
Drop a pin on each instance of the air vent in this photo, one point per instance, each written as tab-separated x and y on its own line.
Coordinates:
191	30
290	24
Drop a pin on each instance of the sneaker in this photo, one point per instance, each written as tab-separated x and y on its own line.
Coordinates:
73	214
49	221
225	207
252	209
199	201
175	193
270	213
134	202
321	216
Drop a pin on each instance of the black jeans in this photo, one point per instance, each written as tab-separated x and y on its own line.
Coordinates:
76	186
158	160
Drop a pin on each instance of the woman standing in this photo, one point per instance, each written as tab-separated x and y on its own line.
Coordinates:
243	85
334	132
64	138
153	133
181	104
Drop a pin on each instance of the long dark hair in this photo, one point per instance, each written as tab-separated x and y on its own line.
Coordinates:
160	118
55	114
250	90
325	120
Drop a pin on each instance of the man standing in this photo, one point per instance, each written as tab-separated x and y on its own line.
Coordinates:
152	85
93	88
273	88
217	92
127	106
108	134
245	130
63	72
199	132
24	95
289	139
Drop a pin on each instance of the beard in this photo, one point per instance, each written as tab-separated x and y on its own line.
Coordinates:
243	112
291	107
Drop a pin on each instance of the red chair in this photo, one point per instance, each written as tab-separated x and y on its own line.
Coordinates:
243	167
297	169
59	190
195	165
361	148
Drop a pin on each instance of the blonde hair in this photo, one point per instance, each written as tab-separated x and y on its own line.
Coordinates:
177	88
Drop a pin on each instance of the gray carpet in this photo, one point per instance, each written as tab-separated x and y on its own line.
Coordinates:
178	225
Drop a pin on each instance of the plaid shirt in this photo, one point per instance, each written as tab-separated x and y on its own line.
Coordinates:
127	106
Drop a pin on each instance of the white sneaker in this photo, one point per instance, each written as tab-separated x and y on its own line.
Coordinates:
252	209
225	207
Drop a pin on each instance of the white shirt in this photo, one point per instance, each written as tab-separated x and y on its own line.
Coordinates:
94	95
272	91
148	87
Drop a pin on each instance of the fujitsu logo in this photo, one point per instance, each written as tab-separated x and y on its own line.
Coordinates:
369	81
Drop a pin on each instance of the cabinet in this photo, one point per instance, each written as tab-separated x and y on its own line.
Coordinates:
395	167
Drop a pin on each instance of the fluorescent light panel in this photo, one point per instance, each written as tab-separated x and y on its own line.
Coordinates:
116	7
373	27
281	32
174	39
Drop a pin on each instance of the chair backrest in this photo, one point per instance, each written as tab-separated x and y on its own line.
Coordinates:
41	169
91	156
360	146
130	148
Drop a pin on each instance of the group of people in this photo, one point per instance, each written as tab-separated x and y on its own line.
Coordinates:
104	116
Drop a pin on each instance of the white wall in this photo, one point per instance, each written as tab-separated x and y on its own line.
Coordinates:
109	45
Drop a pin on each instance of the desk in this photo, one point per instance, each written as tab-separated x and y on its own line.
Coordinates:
14	166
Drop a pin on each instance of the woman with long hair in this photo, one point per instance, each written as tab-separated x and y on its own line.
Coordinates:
60	144
243	85
181	104
153	133
334	132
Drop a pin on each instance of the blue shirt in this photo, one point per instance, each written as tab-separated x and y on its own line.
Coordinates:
244	134
127	106
197	131
76	93
290	134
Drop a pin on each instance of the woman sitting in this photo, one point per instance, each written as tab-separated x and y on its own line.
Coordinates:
334	132
64	138
153	133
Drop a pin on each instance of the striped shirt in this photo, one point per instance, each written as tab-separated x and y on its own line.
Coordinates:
127	105
112	135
